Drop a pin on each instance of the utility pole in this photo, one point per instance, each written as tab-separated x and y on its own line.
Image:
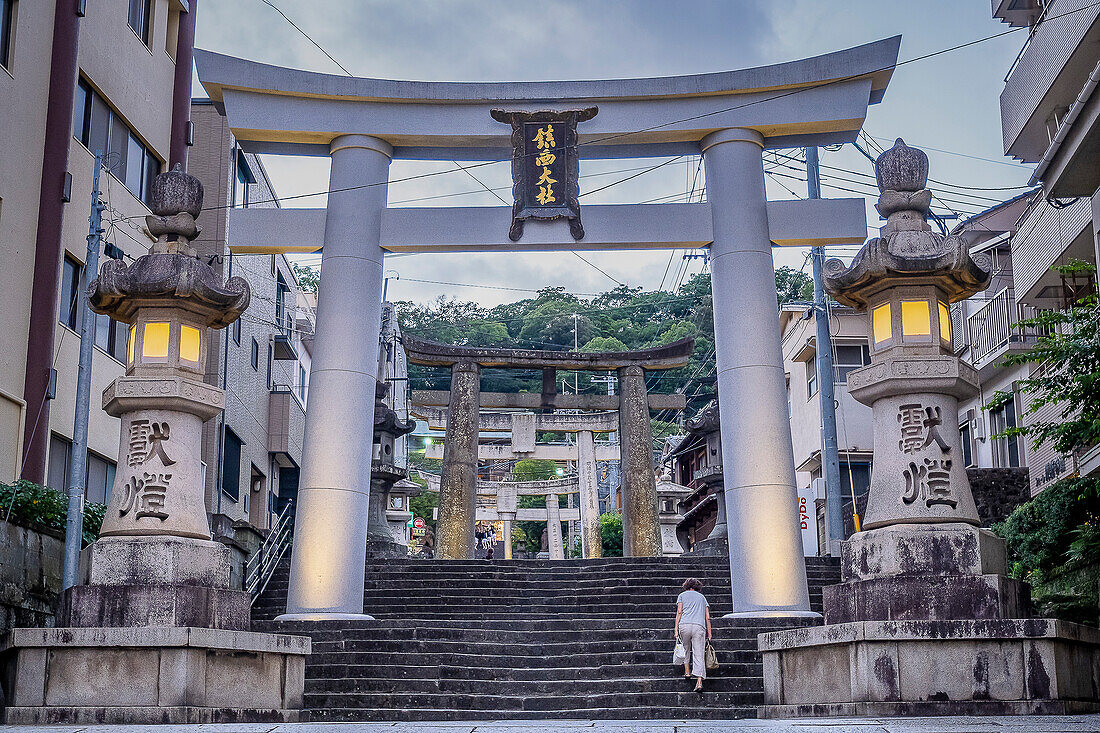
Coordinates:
74	520
830	459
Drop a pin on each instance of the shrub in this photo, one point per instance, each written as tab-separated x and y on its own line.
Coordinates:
611	534
28	504
1054	545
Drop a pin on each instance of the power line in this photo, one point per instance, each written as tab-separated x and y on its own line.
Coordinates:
691	118
308	38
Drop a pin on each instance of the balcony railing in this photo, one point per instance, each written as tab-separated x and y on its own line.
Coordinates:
996	324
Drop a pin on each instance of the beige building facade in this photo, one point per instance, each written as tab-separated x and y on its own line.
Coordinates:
122	104
853	420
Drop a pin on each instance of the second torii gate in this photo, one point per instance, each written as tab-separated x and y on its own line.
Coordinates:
457	493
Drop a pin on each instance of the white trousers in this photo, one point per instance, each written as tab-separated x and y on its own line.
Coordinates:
694	639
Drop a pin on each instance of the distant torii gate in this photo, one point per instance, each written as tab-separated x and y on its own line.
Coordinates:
728	117
641	528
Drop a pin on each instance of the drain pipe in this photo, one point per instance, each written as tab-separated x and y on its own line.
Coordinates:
1067	122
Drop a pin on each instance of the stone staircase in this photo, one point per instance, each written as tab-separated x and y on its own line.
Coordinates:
590	639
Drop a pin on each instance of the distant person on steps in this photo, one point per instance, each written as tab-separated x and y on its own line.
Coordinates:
692	627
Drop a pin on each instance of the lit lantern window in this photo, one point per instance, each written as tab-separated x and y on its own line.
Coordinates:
881	322
130	346
189	344
945	322
916	318
154	344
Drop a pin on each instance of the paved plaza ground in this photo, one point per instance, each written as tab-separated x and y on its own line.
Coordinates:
1032	724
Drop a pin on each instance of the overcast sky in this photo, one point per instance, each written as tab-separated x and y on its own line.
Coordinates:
946	103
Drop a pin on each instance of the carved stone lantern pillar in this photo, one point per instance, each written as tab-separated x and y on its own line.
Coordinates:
156	633
924	621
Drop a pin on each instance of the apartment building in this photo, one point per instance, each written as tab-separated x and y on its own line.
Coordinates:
986	329
76	78
254	450
855	439
1049	116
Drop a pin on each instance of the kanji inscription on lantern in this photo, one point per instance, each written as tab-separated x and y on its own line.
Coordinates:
146	494
545	167
920	428
929	481
147	439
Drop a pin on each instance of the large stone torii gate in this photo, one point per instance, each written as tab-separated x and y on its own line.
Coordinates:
728	117
641	530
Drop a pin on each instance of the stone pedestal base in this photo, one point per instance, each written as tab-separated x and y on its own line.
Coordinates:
931	668
711	547
151	675
155	605
385	548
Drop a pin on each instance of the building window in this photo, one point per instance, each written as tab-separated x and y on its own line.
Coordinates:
967	437
237	331
255	356
848	358
856	480
242	179
99	128
270	363
111	336
70	293
302	383
231	465
811	377
7	31
282	312
99	472
139	17
1006	450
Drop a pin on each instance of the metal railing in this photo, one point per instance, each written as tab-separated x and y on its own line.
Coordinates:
261	566
996	324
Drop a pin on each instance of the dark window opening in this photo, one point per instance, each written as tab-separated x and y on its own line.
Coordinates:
70	293
231	465
255	356
7	31
97	126
140	17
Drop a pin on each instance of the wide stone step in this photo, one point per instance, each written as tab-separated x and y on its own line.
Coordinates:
516	636
683	712
519	651
385	671
483	659
524	688
574	704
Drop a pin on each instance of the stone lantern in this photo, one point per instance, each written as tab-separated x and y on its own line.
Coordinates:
384	474
156	633
925	620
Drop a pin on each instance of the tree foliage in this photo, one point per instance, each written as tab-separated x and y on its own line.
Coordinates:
308	277
611	534
620	319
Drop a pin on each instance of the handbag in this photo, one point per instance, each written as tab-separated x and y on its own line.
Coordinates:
679	654
710	658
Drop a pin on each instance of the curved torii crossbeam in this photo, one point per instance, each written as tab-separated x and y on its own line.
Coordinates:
727	117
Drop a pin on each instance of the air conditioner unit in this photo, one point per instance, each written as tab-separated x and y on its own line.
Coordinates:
818	486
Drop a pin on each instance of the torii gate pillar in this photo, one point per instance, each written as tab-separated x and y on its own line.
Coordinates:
765	545
330	526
